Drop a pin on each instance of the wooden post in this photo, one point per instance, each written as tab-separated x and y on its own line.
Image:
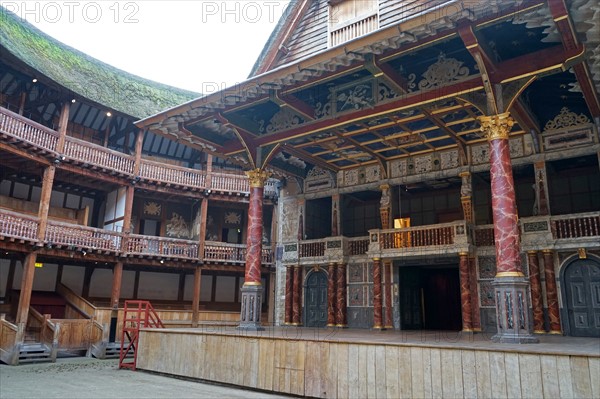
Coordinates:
377	303
22	102
537	305
289	293
331	301
59	274
341	318
389	319
202	232
208	181
465	292
136	284
44	206
87	279
116	285
297	296
181	287
196	296
138	153
11	277
63	123
26	286
551	292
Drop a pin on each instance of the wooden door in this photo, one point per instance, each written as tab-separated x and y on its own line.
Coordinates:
582	288
411	297
315	305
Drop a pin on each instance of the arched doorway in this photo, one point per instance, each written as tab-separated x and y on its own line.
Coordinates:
315	299
581	287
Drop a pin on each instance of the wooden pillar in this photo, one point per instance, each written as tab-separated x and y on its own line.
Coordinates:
136	284
551	292
11	277
116	285
209	162
377	303
26	287
536	292
389	319
63	123
541	207
59	273
297	297
252	290
466	197
139	141
196	296
289	293
202	232
331	291
22	101
181	287
465	292
87	279
341	318
510	284
44	206
129	194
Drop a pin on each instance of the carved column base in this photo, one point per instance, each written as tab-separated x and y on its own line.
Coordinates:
512	311
251	308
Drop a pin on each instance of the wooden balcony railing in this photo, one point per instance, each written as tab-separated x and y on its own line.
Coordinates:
18	226
420	236
312	248
161	246
358	245
484	236
222	251
114	162
576	226
25	129
98	157
170	174
82	237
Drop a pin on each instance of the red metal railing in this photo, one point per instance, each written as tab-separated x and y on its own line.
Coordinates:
136	315
576	226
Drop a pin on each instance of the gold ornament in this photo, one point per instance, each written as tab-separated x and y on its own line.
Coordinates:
257	177
496	127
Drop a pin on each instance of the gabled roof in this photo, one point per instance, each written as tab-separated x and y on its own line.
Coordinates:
84	75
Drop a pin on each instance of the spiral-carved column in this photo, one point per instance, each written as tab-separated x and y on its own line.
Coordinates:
377	303
551	292
341	316
536	292
465	292
289	292
331	294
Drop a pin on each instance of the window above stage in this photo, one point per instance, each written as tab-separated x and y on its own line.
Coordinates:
349	19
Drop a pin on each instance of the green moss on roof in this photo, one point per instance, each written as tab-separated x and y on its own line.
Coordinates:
84	75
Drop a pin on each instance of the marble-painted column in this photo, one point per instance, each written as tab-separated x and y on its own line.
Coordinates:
389	318
289	293
341	318
475	316
510	284
331	294
536	292
297	297
335	215
551	292
465	292
252	288
377	303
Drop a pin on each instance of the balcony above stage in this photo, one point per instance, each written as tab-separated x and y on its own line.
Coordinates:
23	229
540	232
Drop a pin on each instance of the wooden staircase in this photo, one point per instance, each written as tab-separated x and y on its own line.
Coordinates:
31	352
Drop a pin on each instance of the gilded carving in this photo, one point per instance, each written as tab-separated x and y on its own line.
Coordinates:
257	177
177	226
152	208
566	118
496	127
285	118
443	71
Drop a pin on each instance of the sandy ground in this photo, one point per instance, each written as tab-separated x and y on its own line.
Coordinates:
92	378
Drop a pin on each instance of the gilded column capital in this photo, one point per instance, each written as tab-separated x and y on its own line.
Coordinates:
257	177
496	127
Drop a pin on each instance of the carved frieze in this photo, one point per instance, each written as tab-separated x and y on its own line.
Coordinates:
566	119
318	179
443	71
423	164
449	159
372	173
399	168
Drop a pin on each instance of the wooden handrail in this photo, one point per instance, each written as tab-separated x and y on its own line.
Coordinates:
99	156
160	172
79	236
162	246
27	130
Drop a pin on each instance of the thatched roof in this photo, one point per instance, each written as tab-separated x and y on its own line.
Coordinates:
85	75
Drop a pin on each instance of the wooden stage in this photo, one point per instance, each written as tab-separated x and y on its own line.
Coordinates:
333	363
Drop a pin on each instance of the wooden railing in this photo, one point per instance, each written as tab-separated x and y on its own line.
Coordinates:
82	237
576	226
171	174
75	334
222	251
97	156
484	236
48	330
8	341
161	246
358	245
312	248
25	129
18	226
421	236
74	300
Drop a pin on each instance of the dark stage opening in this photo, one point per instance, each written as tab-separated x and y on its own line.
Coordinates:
430	298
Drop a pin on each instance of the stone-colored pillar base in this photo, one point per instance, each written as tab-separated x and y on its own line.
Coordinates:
512	311
251	308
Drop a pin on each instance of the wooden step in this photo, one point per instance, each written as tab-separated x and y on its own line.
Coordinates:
34	352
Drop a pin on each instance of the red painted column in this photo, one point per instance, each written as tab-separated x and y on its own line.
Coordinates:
510	284
465	292
389	321
536	292
551	292
341	318
377	303
252	292
331	294
504	204
297	296
289	292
